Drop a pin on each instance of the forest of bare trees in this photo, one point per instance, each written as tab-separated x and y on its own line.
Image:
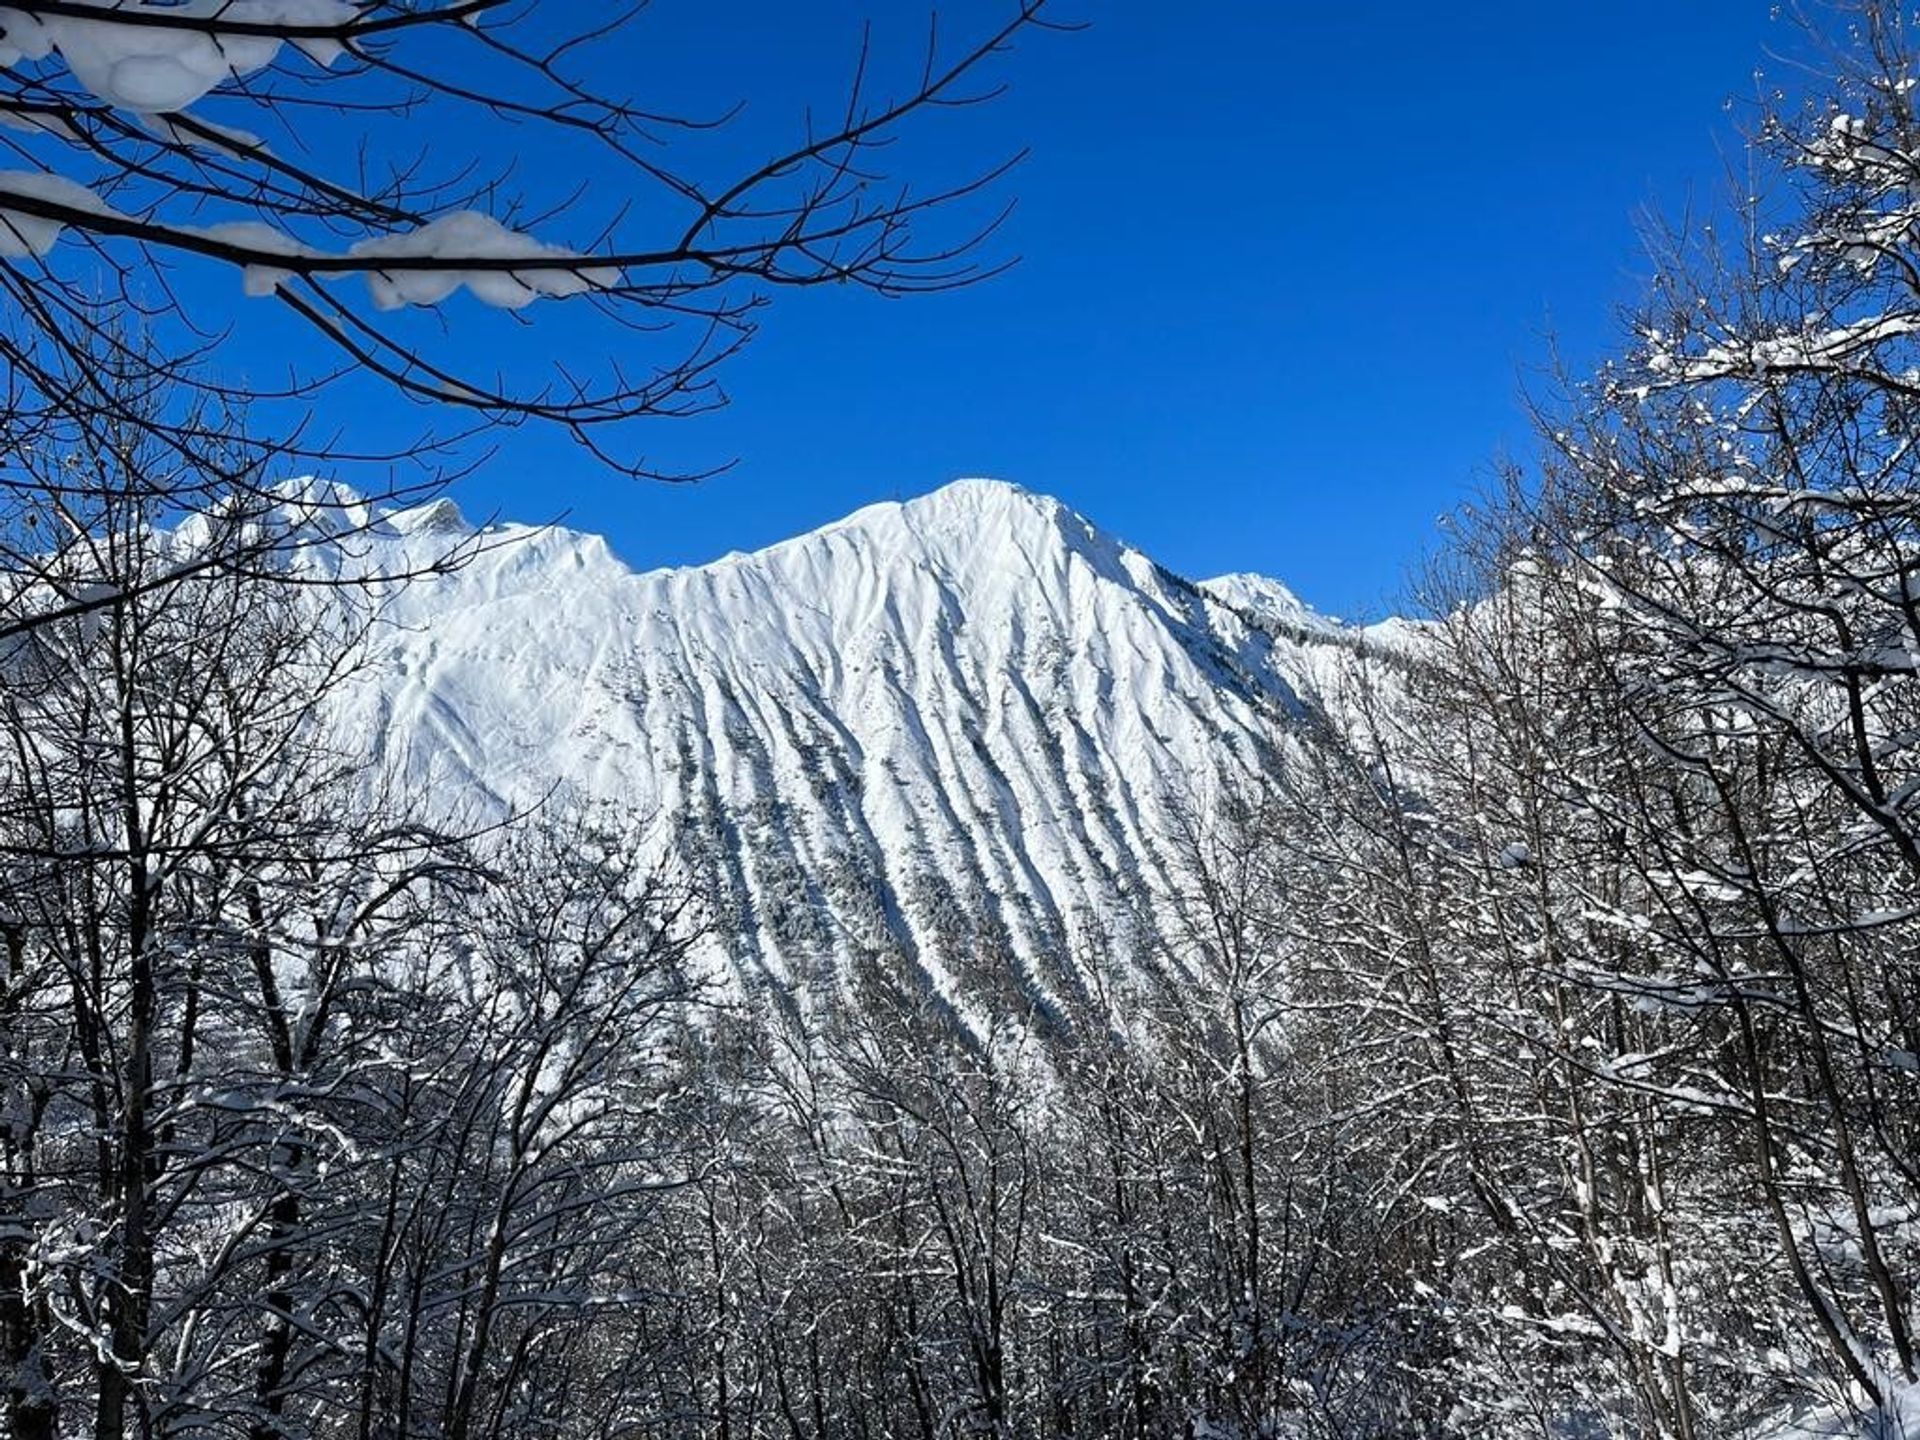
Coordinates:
1536	1052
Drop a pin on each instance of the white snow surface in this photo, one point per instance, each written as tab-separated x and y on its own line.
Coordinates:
964	719
1267	599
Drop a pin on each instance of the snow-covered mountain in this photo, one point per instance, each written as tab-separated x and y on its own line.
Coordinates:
959	725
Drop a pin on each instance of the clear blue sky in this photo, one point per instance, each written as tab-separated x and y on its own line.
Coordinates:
1286	268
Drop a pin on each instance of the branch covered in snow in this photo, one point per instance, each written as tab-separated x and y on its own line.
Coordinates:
314	171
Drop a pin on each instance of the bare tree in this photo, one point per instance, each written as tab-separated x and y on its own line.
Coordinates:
193	886
672	235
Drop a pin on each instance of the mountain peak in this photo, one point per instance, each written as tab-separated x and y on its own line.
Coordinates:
976	509
983	494
1266	599
437	517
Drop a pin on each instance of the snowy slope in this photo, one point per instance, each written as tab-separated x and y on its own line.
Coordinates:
946	729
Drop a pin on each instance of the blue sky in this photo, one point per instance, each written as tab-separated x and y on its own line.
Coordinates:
1286	269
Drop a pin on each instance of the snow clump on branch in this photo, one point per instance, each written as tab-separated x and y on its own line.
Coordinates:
155	68
470	235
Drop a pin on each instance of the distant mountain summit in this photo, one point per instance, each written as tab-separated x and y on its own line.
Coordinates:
954	727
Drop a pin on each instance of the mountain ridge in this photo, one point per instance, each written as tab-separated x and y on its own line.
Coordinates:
938	728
